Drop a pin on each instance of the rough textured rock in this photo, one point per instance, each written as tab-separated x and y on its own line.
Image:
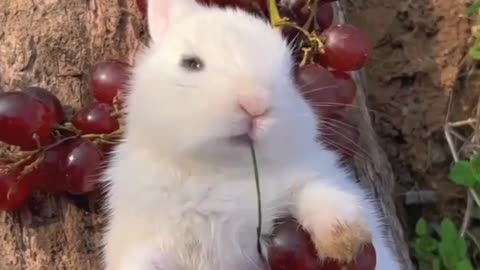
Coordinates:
54	43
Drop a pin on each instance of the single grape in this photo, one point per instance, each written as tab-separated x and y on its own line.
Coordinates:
366	259
288	32
22	117
96	119
291	248
347	91
82	167
319	87
49	175
294	5
324	16
19	191
49	100
142	6
341	136
109	80
346	47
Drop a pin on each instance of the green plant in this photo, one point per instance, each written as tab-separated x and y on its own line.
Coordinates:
467	172
474	50
449	252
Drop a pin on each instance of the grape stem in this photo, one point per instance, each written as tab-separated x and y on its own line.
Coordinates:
275	18
259	200
313	14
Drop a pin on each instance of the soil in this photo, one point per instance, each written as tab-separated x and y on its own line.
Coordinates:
420	61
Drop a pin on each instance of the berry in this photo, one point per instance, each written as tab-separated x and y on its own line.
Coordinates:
109	79
96	119
22	117
346	47
142	6
291	248
366	259
319	87
49	100
19	190
82	166
347	91
294	5
289	32
324	16
49	175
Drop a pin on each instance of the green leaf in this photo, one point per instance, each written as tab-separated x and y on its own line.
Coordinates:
473	8
422	227
464	264
462	247
448	230
425	246
448	255
462	173
474	52
475	165
436	265
424	265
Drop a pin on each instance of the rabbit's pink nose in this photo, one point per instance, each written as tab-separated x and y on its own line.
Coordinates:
253	106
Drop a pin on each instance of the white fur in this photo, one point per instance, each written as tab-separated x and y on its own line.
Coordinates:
181	195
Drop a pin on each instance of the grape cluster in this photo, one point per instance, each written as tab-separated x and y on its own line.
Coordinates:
50	152
53	152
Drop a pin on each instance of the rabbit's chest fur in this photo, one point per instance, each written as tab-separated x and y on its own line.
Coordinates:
204	222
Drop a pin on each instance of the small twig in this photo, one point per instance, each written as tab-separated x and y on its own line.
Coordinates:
450	143
461	123
466	218
474	239
458	136
471	193
259	200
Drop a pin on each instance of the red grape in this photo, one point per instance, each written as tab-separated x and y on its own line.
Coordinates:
49	100
302	13
291	248
22	116
346	47
347	91
341	136
319	87
142	6
289	32
366	259
82	166
19	191
96	119
109	79
49	175
324	16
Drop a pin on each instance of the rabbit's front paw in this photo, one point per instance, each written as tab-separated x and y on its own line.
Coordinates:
336	222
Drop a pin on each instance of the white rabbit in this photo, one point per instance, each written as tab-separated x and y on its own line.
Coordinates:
181	185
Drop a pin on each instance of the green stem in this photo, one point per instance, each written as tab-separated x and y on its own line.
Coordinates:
259	200
275	18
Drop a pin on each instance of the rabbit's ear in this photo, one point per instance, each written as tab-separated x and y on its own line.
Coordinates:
161	13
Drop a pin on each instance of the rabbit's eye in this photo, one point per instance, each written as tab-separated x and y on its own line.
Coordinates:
192	63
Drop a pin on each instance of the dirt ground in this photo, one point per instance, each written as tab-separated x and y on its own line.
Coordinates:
420	60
